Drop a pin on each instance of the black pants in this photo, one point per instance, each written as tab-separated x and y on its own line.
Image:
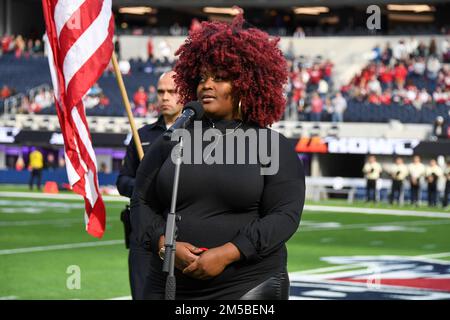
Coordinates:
371	190
432	194
138	260
396	191
446	194
274	288
36	174
139	270
415	193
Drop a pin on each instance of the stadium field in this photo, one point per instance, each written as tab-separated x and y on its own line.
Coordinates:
41	238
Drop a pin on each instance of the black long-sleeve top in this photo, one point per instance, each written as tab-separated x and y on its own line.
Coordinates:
126	178
220	203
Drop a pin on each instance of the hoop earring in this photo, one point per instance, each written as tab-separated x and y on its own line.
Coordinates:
240	110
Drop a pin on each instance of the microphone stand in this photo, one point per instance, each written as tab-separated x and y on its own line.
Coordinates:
171	230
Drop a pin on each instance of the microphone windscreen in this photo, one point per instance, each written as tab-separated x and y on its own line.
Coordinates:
197	107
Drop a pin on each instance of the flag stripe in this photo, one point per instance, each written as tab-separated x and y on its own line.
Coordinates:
64	12
87	43
89	72
74	28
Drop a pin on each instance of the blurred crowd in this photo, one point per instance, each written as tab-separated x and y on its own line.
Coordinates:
20	46
407	73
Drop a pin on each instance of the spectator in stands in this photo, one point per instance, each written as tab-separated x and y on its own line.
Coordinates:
165	50
37	47
432	49
445	50
387	54
315	75
140	98
423	98
433	67
175	30
339	104
447	185
149	48
19	46
374	86
372	171
386	97
5	92
35	166
152	96
419	66
433	173
386	76
416	172
316	107
400	73
398	173
7	44
299	33
400	52
439	96
322	88
104	101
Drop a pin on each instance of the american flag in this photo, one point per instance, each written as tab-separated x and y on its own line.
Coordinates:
79	46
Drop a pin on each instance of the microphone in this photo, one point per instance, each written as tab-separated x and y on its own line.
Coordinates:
192	111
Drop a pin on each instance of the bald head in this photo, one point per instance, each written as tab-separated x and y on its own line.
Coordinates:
167	97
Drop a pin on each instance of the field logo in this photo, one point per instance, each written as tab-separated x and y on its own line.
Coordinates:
74	280
374	278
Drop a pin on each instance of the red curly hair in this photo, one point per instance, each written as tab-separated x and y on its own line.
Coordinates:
250	58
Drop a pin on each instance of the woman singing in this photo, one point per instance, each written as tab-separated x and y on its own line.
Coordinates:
236	212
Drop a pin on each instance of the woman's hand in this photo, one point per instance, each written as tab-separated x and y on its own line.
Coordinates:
185	253
212	262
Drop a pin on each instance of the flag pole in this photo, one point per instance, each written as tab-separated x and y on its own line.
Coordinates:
126	102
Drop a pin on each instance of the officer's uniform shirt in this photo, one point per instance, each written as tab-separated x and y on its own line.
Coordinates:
416	170
148	134
435	171
372	170
399	172
447	173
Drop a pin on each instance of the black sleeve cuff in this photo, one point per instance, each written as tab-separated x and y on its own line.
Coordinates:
246	247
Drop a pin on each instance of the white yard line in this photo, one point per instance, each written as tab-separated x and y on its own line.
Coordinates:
121	298
61	247
34	195
9	298
367	225
391	212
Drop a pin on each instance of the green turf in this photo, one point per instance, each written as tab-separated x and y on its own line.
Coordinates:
104	274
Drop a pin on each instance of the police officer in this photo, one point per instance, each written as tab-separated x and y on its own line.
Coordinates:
399	172
139	258
372	170
416	172
433	173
